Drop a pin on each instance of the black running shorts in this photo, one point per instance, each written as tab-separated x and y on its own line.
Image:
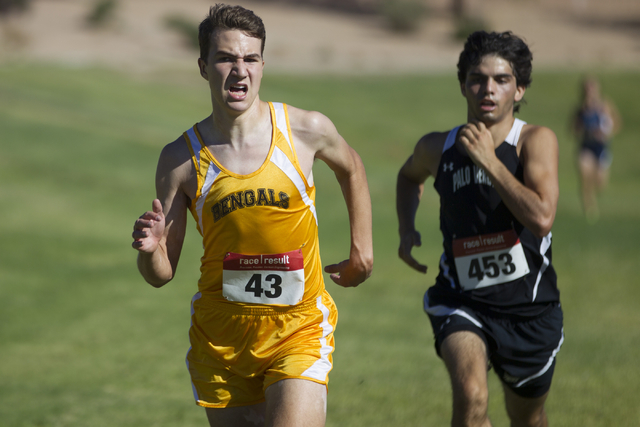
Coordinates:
522	351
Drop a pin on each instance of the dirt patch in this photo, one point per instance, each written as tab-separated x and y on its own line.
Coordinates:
579	34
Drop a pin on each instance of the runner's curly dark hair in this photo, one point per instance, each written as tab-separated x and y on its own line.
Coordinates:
506	45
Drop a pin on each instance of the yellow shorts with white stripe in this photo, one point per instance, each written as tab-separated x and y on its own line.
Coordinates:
237	352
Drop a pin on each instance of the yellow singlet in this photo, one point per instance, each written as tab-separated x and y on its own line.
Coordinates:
259	231
261	314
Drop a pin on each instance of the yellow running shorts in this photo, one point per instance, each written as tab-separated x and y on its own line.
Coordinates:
238	351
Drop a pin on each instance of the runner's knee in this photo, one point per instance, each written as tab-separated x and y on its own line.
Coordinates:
470	404
537	418
472	394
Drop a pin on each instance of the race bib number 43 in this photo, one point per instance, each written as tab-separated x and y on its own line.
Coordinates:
489	259
264	279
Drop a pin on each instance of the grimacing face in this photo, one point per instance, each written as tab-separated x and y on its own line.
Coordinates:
491	90
233	69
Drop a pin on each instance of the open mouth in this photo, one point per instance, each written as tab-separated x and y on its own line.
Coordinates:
238	90
487	104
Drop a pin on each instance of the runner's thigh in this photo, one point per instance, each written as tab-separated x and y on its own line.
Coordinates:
242	416
296	402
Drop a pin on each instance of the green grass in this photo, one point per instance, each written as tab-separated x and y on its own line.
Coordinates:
85	342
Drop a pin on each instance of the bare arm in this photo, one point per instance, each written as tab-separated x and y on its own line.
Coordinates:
612	111
409	188
533	202
320	138
159	233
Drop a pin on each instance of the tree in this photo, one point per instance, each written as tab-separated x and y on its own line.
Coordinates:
8	7
458	8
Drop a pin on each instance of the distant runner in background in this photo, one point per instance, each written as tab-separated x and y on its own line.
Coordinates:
595	122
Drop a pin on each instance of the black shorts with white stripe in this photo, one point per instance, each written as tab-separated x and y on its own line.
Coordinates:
522	351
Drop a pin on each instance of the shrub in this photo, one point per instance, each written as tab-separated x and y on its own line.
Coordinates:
187	28
10	6
466	25
102	13
402	16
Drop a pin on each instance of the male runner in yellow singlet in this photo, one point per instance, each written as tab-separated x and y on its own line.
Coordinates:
262	321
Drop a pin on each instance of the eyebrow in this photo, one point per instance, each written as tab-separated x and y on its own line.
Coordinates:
502	75
225	53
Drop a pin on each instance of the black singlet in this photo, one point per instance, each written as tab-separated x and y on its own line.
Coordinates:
473	216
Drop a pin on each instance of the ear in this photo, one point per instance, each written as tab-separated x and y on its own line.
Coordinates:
463	89
203	69
519	93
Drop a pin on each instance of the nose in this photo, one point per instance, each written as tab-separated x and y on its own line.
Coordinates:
489	86
240	68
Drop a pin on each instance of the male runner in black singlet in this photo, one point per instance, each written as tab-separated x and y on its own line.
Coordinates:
495	302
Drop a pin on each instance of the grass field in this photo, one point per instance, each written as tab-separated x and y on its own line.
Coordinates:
84	342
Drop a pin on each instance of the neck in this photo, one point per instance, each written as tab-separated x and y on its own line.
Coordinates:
236	128
500	129
592	102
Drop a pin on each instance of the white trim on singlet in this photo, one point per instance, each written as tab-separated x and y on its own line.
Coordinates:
514	133
545	244
451	138
281	121
195	143
321	367
546	367
281	160
212	173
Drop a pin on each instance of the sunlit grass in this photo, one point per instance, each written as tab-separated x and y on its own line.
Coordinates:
85	342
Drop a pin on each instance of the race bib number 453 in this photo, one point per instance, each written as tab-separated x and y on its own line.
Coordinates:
489	259
264	279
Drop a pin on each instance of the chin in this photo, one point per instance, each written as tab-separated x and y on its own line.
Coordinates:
490	117
485	118
238	106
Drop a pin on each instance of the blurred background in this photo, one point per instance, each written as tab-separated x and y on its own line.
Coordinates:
323	36
90	92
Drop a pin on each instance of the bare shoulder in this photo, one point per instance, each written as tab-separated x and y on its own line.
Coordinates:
425	158
538	142
175	154
310	127
534	136
316	137
175	167
431	145
530	131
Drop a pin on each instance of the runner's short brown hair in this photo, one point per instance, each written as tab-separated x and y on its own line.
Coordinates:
229	17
